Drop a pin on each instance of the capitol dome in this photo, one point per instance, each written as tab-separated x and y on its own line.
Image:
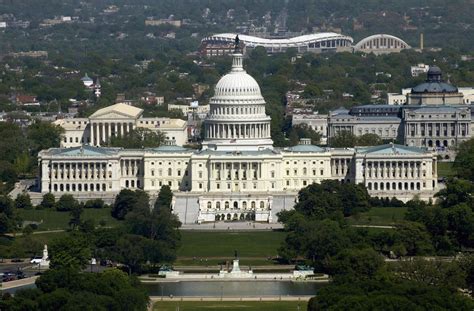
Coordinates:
237	83
237	120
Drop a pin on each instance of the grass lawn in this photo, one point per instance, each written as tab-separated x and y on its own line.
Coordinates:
53	220
445	169
223	244
383	216
230	305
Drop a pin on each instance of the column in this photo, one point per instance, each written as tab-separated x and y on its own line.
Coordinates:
92	134
109	131
102	127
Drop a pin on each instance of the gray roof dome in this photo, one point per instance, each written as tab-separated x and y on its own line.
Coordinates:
434	83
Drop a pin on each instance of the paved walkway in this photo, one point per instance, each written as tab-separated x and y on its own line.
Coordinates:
264	298
18	283
374	226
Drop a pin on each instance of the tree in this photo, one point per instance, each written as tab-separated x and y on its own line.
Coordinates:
343	139
164	198
48	201
414	237
138	138
95	203
384	294
76	212
126	200
369	140
66	203
8	221
70	252
431	272
67	289
44	135
464	162
355	264
457	191
23	201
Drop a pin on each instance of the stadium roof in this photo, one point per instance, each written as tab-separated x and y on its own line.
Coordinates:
251	40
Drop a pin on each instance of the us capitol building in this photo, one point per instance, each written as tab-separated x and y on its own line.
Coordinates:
238	174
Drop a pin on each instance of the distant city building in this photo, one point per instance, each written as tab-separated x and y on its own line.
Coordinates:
26	100
118	120
315	121
186	109
434	115
319	42
381	44
87	81
163	21
32	54
419	69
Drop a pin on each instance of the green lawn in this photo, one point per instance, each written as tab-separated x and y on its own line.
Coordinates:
230	305
223	244
53	220
445	169
383	216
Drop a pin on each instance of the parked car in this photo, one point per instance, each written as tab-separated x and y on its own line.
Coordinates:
17	260
36	260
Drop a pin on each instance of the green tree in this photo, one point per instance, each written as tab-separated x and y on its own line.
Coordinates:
355	264
23	201
343	139
75	212
431	272
464	162
127	200
414	237
138	138
457	191
164	198
72	251
95	203
44	135
48	201
8	221
66	203
369	140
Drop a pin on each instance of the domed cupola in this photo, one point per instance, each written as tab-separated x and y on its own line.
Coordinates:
434	83
237	119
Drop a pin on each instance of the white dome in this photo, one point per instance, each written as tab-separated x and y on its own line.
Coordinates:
237	83
237	118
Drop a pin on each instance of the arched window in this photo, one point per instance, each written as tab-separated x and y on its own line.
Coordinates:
209	205
218	205
252	204
244	205
236	205
226	204
262	204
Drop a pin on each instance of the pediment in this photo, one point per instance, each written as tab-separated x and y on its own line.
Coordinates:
112	115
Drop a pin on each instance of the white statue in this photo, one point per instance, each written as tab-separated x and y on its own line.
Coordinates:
45	259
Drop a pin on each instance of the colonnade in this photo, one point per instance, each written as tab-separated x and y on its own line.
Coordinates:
437	129
236	171
101	132
78	171
340	166
78	176
237	131
130	167
394	169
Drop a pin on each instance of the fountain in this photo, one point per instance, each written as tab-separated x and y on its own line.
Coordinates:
235	273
